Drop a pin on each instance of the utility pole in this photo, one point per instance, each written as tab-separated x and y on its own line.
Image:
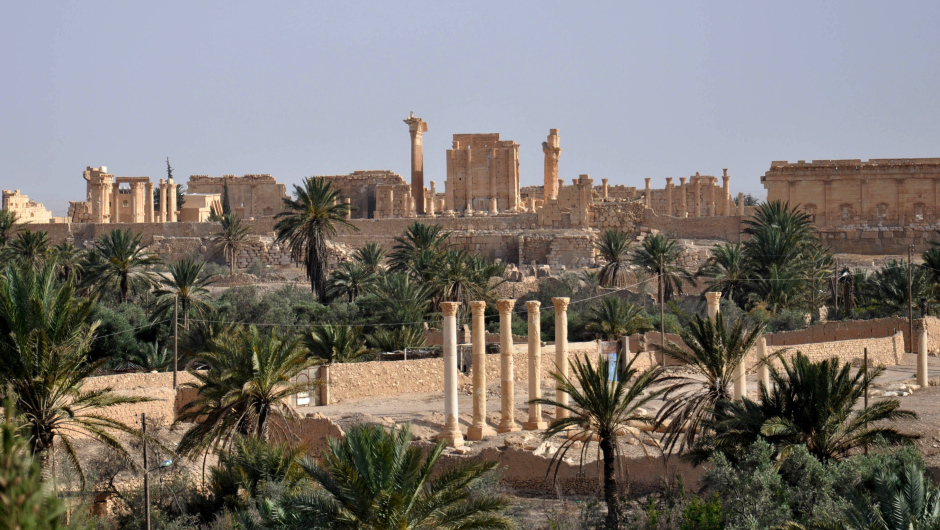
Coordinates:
176	322
866	388
662	310
835	286
143	432
910	296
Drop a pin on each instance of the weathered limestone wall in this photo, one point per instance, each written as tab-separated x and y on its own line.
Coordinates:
360	188
482	168
26	210
250	195
158	386
854	193
727	228
884	351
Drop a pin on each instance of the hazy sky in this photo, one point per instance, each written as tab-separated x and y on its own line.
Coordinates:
644	89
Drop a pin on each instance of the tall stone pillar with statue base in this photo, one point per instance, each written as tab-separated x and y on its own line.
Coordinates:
535	367
668	196
417	127
561	352
507	422
552	154
683	200
725	192
162	217
451	431
479	429
171	201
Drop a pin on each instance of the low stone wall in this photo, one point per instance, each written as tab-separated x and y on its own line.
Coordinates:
157	386
885	351
726	228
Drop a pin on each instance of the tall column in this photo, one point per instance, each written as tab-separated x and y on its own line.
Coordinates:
649	199
535	367
740	204
726	188
712	185
136	206
115	203
451	430
922	354
763	369
148	214
712	299
417	127
668	196
478	429
171	201
348	202
507	422
561	352
683	200
163	205
698	195
433	198
552	154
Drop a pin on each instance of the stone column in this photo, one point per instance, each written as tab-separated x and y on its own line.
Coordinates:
712	184
922	354
763	370
561	352
535	367
478	429
668	196
740	204
552	154
348	202
698	195
606	188
493	209
417	127
561	184
148	214
649	198
163	216
115	203
431	202
507	422
137	206
451	430
726	188
171	201
683	200
712	299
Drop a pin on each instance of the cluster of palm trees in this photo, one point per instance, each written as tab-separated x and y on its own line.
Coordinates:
811	404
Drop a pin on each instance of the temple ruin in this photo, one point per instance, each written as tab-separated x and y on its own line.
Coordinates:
482	174
250	196
26	211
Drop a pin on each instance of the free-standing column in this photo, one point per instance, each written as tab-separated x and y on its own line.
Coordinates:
726	192
430	208
922	354
668	196
162	201
535	367
561	352
552	154
417	127
763	369
115	203
698	195
507	422
606	188
478	429
649	198
712	299
712	185
171	201
683	200
451	431
740	204
148	214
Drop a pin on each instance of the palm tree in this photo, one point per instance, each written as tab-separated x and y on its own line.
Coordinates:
231	238
613	318
151	356
813	404
602	410
9	225
462	277
350	280
67	259
336	344
396	299
251	463
45	335
397	338
889	285
778	235
418	238
28	249
728	271
659	256
247	381
186	284
118	257
714	351
614	247
371	256
378	479
309	219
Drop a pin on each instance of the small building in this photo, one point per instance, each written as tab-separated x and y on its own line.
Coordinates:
198	207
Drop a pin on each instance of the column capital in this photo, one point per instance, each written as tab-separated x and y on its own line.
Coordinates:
532	305
505	305
561	304
682	180
477	307
416	126
450	308
712	298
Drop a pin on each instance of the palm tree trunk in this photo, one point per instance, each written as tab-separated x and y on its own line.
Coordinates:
231	264
610	482
316	254
124	288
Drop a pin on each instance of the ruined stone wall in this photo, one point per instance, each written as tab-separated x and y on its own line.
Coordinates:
250	195
360	188
854	193
727	228
158	386
482	174
622	214
884	351
26	210
394	201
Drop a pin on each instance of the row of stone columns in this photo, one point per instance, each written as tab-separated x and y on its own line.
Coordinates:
479	429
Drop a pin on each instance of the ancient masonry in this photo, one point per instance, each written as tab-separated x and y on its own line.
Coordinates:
26	210
251	196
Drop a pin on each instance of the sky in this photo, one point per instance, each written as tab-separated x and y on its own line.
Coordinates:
294	89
